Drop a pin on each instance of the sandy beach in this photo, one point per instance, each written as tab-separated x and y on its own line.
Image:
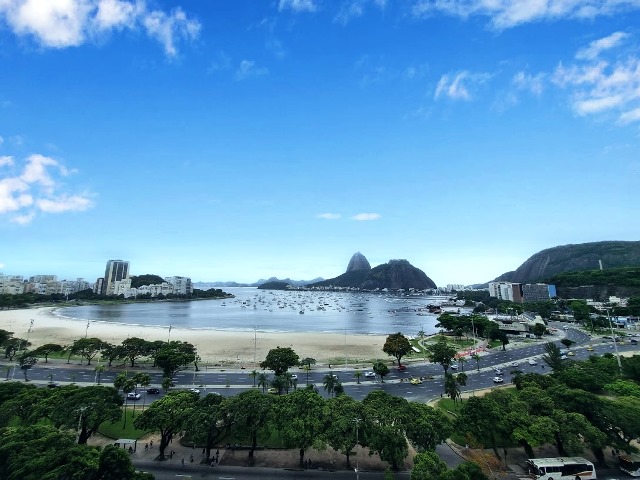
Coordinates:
214	346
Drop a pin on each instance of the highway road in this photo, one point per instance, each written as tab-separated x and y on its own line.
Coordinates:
226	381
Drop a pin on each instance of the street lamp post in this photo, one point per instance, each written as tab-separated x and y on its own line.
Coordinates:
86	330
170	327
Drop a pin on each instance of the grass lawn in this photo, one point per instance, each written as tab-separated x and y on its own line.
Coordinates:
118	430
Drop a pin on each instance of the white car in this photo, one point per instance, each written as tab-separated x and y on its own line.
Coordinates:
498	380
453	366
532	362
194	390
133	396
515	364
294	377
497	371
369	374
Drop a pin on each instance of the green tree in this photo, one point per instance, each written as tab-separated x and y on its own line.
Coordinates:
208	423
427	466
251	412
329	383
566	342
357	375
115	464
300	421
42	452
397	346
263	381
539	329
451	387
87	348
26	360
46	350
380	368
427	426
443	353
476	357
133	348
254	375
280	359
83	408
167	416
99	371
384	424
308	361
553	357
174	355
481	416
342	416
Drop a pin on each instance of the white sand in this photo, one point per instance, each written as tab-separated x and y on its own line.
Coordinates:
214	346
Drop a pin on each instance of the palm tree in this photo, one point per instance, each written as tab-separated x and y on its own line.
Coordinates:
144	380
451	387
461	361
99	369
358	375
476	357
306	369
254	374
329	382
167	383
263	381
127	387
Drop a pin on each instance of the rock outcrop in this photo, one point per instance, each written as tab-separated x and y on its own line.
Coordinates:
394	275
569	258
358	262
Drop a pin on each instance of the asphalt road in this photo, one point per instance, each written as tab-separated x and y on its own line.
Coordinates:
229	382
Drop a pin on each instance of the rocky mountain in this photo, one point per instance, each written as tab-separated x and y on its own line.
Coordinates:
358	262
295	283
394	275
570	258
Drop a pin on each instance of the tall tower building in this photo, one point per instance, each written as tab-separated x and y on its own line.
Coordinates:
114	274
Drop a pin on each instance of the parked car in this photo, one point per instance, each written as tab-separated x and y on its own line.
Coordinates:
153	391
498	380
133	396
369	374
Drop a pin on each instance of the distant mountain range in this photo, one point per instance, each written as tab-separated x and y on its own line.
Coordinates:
295	283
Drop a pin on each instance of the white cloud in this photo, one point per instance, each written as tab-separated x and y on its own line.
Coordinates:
6	161
366	216
38	188
297	5
2	265
329	216
1	140
510	13
528	82
69	23
596	47
351	9
248	68
457	87
603	81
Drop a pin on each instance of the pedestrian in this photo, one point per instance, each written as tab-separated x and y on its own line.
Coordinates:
151	443
146	446
217	452
171	455
203	450
183	461
191	459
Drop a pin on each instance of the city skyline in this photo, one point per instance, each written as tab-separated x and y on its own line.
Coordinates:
236	140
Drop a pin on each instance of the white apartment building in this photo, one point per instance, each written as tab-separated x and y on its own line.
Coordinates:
181	285
11	284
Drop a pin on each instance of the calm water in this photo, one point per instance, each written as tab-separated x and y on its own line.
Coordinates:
276	311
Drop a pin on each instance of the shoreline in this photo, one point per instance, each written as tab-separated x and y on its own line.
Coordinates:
214	346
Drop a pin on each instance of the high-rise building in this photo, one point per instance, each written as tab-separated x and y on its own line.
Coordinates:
116	272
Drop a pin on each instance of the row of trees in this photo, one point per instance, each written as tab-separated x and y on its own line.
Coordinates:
44	433
566	409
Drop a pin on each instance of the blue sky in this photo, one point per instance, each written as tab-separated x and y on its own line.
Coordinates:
233	139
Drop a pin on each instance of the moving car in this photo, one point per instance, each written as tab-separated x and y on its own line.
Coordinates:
273	390
194	390
153	391
453	366
498	380
415	381
497	371
515	364
402	367
369	374
571	354
133	396
532	361
590	348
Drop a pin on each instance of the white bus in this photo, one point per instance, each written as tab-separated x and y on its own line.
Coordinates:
561	468
630	464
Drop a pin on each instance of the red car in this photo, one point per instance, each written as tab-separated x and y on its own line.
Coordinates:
402	367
